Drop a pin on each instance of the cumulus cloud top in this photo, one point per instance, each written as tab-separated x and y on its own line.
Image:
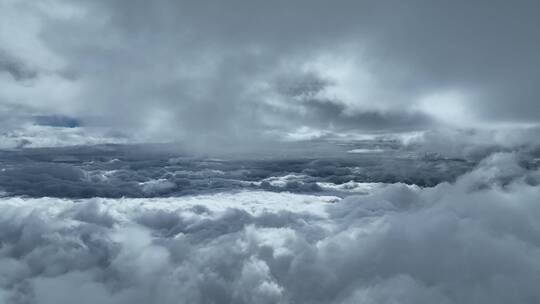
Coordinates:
453	243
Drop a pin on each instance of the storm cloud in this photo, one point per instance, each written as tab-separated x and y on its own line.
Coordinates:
251	151
207	72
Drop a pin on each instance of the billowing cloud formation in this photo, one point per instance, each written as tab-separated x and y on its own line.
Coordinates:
472	241
475	143
211	71
400	192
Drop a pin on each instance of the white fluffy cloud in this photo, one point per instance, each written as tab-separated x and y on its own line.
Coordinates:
472	241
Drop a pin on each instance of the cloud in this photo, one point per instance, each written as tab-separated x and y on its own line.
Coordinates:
15	68
453	243
318	166
161	170
210	73
33	135
476	143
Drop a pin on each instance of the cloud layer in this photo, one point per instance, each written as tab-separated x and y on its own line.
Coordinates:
243	71
472	241
149	171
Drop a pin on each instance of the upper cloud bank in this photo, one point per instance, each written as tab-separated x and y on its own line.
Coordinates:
210	71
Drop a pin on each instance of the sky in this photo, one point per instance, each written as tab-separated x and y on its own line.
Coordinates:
269	152
243	72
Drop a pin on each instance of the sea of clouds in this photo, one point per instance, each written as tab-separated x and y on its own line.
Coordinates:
246	151
475	239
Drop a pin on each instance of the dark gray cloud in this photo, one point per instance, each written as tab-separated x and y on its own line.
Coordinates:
210	72
136	171
318	166
16	68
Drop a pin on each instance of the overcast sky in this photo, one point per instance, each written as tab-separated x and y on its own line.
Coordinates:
449	215
241	70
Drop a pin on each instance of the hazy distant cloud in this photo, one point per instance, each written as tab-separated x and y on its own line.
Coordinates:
146	171
23	131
